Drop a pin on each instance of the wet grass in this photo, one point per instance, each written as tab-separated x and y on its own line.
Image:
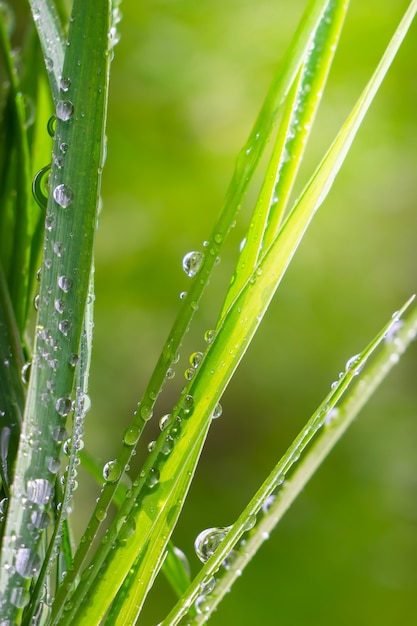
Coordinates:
45	403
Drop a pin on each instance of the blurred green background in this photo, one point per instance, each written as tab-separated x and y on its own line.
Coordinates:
188	79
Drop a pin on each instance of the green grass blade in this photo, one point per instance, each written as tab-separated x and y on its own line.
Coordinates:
296	467
71	222
52	39
18	275
247	161
11	387
236	331
298	116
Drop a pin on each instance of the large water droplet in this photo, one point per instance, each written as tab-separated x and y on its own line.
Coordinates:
112	471
27	562
187	405
19	597
64	110
218	410
152	478
63	195
195	359
64	283
192	263
354	364
202	605
208	541
131	436
39	490
209	336
63	406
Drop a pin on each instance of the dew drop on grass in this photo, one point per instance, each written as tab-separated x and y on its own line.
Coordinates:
208	585
189	373
50	222
64	110
73	359
63	147
145	412
25	373
218	410
19	597
127	529
187	405
64	283
195	359
27	562
354	364
63	406
202	605
151	445
208	541
167	446
112	471
49	64
65	327
131	436
209	336
164	420
59	248
192	263
39	490
152	479
59	305
65	83
268	503
183	295
170	373
63	195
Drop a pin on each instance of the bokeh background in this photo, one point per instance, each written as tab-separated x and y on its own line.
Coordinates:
188	79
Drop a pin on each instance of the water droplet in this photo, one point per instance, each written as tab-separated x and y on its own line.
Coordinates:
208	585
100	514
40	186
25	373
65	327
209	336
195	359
183	295
127	529
39	491
170	373
208	541
146	412
167	446
187	405
63	195
27	562
36	302
64	283
250	522
268	503
131	436
164	420
63	147
152	478
202	605
354	364
59	248
151	445
63	406
49	64
19	597
192	263
189	373
217	411
65	83
50	222
64	110
331	416
59	434
218	238
73	359
112	471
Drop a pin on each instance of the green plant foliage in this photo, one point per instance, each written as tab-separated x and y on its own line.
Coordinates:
59	566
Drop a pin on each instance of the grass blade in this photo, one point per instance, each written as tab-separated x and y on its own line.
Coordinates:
51	36
247	161
71	221
321	434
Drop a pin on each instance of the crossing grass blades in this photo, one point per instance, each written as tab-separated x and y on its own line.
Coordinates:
44	372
